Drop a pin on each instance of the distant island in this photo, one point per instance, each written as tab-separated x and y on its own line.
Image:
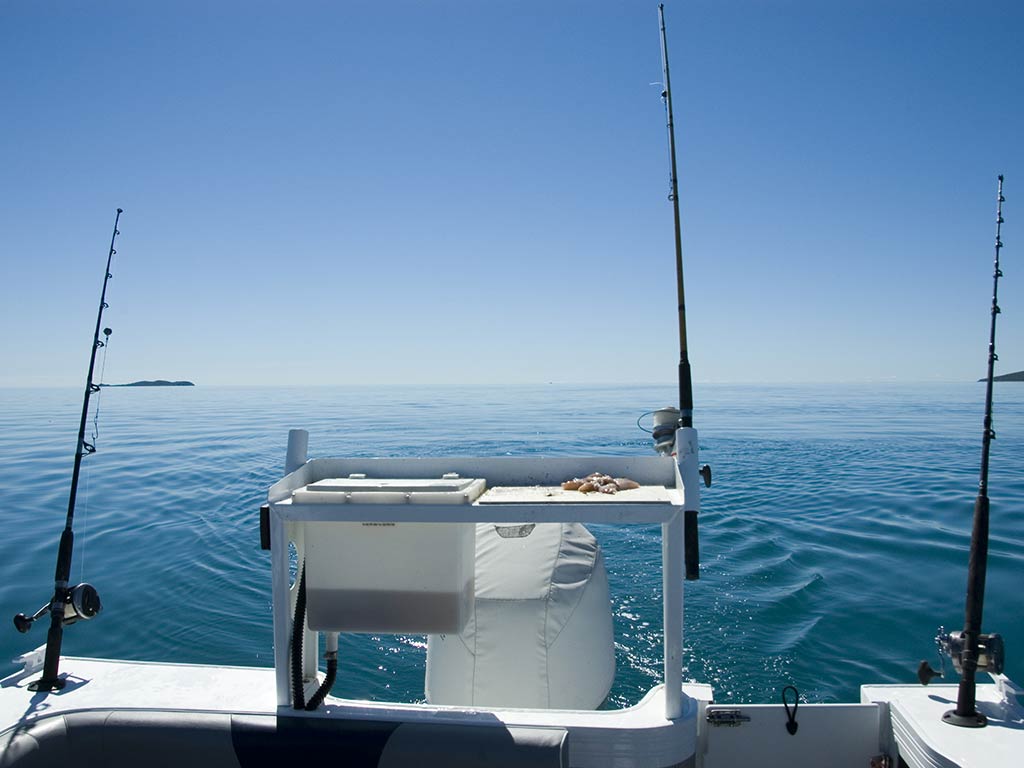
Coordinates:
1018	376
154	383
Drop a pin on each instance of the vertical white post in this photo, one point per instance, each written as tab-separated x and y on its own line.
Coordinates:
298	447
281	595
672	591
282	606
672	569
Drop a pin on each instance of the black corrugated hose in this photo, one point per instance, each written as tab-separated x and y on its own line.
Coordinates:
325	687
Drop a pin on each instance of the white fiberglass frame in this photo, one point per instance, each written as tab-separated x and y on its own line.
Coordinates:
674	473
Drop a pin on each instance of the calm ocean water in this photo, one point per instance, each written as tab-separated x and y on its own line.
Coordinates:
834	539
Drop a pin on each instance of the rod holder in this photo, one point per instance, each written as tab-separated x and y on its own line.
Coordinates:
298	448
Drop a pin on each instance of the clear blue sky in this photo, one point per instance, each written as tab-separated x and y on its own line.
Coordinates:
330	193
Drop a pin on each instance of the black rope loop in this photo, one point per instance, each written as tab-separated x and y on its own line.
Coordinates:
791	723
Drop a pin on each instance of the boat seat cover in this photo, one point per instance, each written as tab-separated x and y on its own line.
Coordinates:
428	745
540	634
126	739
122	739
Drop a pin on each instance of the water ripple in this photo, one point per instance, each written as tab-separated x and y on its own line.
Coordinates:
834	540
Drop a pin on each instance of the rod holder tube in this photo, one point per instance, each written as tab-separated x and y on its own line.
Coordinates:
298	449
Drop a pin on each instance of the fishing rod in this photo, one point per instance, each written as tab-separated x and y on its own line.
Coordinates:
980	651
685	380
666	433
68	605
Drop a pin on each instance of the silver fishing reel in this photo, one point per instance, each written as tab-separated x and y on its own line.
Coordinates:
666	422
83	603
991	655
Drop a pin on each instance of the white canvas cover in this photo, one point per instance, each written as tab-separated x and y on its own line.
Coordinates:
540	635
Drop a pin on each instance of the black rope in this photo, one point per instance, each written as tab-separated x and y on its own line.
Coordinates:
791	723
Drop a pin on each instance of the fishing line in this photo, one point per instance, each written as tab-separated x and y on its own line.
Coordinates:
99	393
88	469
85	525
641	426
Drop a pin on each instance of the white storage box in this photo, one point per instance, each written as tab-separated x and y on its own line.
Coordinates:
381	576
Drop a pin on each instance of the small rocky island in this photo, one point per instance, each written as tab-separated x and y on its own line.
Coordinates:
1018	376
154	383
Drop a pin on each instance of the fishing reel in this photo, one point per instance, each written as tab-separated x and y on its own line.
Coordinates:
991	655
82	602
666	422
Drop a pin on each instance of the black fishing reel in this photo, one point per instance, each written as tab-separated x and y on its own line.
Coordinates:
83	602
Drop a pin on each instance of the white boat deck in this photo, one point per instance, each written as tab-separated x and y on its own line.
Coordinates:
105	685
114	684
925	741
94	684
915	713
